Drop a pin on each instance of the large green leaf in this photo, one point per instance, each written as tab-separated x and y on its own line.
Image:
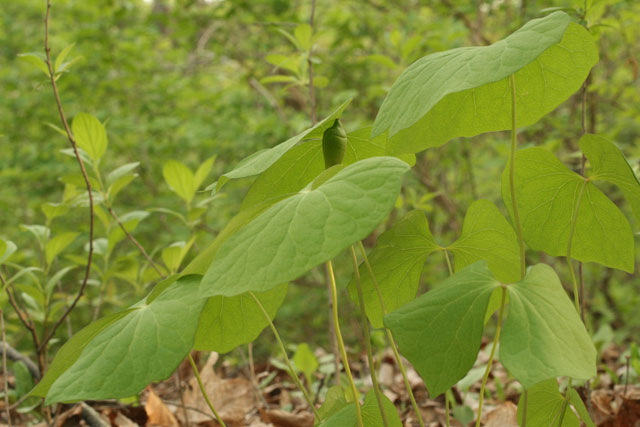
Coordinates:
180	178
609	164
397	262
486	235
90	135
543	336
440	332
466	91
371	416
547	194
144	345
227	322
307	229
301	164
544	402
259	161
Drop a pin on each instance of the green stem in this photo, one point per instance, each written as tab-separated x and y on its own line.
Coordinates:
343	351
446	256
574	220
392	342
565	403
512	178
514	203
492	355
446	402
203	391
367	338
292	373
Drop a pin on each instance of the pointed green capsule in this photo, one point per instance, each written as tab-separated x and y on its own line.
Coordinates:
334	144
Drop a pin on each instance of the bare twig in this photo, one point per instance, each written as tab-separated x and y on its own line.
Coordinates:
4	370
475	34
312	93
135	242
74	146
16	356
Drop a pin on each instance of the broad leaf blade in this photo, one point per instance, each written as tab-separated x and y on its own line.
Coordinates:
371	416
397	262
609	164
90	135
547	194
144	345
307	229
544	403
259	161
228	322
543	336
486	235
465	91
180	178
440	332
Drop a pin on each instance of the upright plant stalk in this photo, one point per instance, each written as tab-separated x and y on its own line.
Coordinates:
85	177
204	392
574	220
367	338
492	354
446	394
336	323
392	342
292	373
4	370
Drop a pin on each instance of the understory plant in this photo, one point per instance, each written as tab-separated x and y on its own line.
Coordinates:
323	191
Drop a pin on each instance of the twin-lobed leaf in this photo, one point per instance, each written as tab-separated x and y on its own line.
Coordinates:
306	229
466	91
142	344
551	197
543	337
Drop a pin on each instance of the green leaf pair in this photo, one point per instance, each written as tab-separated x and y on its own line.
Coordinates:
440	332
399	256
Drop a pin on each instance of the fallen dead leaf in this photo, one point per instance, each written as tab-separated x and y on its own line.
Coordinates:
287	419
505	415
157	412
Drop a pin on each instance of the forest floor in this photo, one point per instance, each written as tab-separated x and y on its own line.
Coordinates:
268	398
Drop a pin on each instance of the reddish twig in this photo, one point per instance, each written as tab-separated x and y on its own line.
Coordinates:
74	146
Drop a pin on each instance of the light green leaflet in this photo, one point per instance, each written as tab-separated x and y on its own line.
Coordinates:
557	344
145	344
227	322
371	417
303	163
90	135
543	337
259	161
397	262
401	251
440	332
465	91
609	164
548	194
543	406
307	229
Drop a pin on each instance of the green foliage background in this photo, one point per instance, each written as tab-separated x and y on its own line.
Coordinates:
184	80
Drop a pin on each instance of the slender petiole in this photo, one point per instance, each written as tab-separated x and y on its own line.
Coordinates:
204	392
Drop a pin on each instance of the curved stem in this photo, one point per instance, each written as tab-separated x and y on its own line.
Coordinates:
292	373
367	338
392	342
336	323
565	403
204	392
446	402
492	355
449	265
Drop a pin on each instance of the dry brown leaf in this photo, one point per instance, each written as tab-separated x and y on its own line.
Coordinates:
505	415
232	398
157	412
286	419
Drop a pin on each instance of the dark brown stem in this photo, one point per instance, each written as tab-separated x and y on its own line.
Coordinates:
4	370
74	146
135	242
312	93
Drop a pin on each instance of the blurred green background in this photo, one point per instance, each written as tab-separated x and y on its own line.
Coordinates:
189	79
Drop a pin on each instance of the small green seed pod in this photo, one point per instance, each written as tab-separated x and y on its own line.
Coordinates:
334	144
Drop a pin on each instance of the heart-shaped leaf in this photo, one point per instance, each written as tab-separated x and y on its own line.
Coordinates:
544	403
440	332
466	91
543	336
547	195
306	229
